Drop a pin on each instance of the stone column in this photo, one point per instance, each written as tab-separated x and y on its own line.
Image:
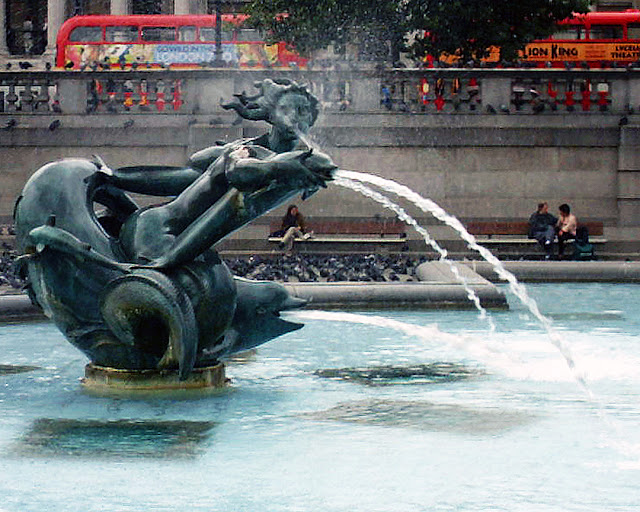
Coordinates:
181	7
629	177
55	18
119	7
4	51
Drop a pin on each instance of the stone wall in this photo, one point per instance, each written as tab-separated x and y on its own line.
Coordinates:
476	167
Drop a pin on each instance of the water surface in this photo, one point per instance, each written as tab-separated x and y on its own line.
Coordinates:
345	416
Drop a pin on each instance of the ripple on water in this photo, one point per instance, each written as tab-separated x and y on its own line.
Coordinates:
414	374
12	369
94	439
426	416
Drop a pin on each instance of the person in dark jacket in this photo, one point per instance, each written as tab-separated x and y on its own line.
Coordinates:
542	228
293	227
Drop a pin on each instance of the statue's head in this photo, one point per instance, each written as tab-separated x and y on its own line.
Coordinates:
283	103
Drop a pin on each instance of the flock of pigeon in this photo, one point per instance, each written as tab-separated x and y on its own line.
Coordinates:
307	268
8	275
283	268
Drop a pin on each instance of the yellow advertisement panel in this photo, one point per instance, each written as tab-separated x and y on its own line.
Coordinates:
554	51
550	51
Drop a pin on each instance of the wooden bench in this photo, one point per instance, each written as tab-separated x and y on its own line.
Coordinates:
516	233
368	231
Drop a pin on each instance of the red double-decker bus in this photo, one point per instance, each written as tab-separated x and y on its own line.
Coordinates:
167	41
594	38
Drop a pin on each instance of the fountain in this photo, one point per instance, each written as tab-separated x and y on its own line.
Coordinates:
355	412
401	411
140	290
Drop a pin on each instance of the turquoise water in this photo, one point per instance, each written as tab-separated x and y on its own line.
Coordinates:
502	426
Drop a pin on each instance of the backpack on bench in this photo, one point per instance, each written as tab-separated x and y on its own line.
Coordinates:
582	249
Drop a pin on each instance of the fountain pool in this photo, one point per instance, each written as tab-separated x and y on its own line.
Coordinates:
347	416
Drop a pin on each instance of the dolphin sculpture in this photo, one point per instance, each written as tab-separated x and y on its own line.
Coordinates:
143	288
123	315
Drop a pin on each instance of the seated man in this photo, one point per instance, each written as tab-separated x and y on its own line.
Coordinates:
542	227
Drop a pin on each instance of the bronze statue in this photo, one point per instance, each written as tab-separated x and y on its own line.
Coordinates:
142	288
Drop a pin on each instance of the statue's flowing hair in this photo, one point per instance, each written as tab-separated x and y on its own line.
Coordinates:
261	106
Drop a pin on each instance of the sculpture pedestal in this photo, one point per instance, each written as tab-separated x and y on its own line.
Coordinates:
104	378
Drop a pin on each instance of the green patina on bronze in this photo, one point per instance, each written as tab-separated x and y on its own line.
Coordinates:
143	288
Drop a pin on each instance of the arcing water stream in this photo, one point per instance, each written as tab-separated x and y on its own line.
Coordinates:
428	206
405	217
351	179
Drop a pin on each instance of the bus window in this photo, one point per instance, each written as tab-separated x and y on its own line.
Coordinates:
605	32
574	33
124	34
86	35
208	34
187	33
633	31
158	33
249	34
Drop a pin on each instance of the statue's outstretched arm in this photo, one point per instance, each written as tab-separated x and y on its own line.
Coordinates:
299	170
155	180
202	159
163	180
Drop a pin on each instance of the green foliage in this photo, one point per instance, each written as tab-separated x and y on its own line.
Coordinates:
435	26
472	26
309	25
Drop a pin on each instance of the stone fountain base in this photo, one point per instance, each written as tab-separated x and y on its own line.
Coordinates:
103	378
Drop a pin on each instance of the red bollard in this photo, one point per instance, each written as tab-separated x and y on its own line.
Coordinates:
439	101
553	95
177	96
160	101
569	101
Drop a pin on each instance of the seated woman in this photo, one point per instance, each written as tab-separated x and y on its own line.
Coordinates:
567	226
293	226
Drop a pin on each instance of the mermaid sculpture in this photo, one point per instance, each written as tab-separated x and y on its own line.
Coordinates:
143	288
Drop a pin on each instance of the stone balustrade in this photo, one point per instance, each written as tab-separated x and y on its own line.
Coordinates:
424	91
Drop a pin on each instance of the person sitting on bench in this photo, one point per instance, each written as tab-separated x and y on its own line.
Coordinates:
567	226
542	227
293	227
